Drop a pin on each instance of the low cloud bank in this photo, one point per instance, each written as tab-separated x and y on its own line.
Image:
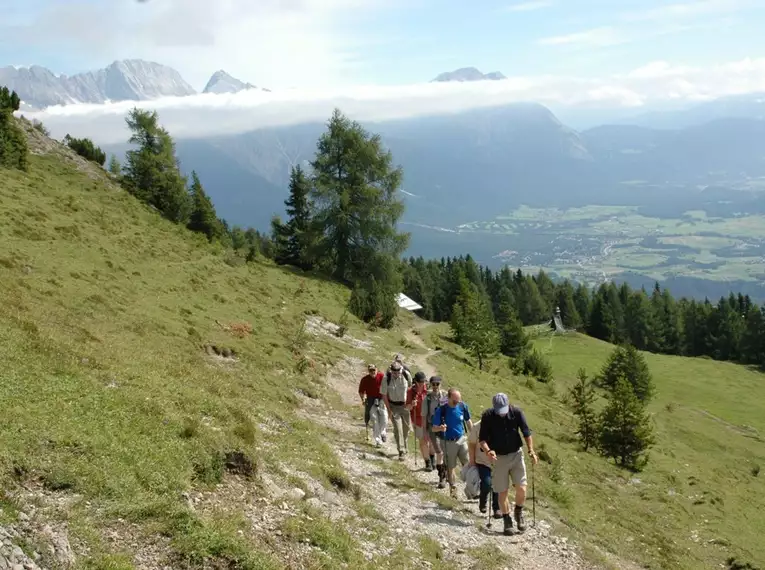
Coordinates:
211	115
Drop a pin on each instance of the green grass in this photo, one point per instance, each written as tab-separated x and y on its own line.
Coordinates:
109	397
105	387
700	479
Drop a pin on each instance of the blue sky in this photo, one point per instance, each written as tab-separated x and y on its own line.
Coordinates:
306	43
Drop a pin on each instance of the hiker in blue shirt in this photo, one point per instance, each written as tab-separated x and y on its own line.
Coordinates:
451	419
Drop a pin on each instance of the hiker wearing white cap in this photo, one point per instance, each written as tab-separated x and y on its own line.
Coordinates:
394	389
500	441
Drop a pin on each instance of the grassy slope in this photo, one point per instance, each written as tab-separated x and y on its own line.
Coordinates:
105	389
106	393
697	494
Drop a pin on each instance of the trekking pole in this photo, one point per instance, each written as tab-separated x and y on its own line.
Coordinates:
490	500
533	496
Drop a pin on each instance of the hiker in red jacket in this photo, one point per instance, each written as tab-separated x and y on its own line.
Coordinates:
374	407
415	396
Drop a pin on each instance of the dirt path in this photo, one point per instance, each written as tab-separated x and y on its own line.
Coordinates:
413	513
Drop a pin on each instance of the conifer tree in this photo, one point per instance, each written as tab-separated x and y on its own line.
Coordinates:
13	141
354	192
625	362
151	171
625	429
513	339
583	399
299	242
203	218
473	324
115	167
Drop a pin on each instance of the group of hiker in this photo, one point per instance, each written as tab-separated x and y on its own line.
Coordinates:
490	450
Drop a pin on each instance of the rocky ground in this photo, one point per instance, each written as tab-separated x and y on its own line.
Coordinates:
412	513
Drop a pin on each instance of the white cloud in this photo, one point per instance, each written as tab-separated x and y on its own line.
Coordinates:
529	6
211	115
596	37
271	43
686	10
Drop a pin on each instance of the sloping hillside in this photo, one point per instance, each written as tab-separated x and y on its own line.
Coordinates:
166	405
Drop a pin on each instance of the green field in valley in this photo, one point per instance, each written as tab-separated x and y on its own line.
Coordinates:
588	243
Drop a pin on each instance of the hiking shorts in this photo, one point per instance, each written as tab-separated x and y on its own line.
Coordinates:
435	441
507	467
456	450
419	432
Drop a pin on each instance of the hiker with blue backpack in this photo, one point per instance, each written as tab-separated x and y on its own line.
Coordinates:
451	420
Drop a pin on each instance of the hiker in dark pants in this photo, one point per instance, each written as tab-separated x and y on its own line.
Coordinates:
435	399
371	399
394	389
483	463
451	420
500	441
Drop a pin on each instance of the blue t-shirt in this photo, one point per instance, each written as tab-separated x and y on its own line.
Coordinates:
454	419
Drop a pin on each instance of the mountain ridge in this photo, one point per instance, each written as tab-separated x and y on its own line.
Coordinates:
467	74
129	79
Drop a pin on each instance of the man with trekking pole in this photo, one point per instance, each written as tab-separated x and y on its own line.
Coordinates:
500	441
394	388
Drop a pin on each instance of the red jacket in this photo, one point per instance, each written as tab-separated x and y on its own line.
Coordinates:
418	397
370	385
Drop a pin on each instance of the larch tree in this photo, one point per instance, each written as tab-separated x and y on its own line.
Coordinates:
354	193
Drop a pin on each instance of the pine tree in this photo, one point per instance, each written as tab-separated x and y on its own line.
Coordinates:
299	243
513	339
203	218
473	323
638	319
356	208
564	300
115	167
583	398
626	363
151	171
625	429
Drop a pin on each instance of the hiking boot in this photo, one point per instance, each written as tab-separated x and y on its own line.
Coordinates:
441	476
497	515
384	437
482	509
428	466
400	455
452	491
508	525
520	520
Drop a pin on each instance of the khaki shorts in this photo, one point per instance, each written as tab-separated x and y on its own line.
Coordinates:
456	450
419	432
507	467
435	441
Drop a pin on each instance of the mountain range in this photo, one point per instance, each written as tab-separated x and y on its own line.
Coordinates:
126	80
468	74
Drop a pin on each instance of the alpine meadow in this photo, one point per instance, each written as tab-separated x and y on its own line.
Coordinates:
181	392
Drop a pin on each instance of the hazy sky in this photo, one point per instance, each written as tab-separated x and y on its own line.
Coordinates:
317	43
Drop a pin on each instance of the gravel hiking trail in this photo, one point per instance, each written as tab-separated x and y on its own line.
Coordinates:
411	510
